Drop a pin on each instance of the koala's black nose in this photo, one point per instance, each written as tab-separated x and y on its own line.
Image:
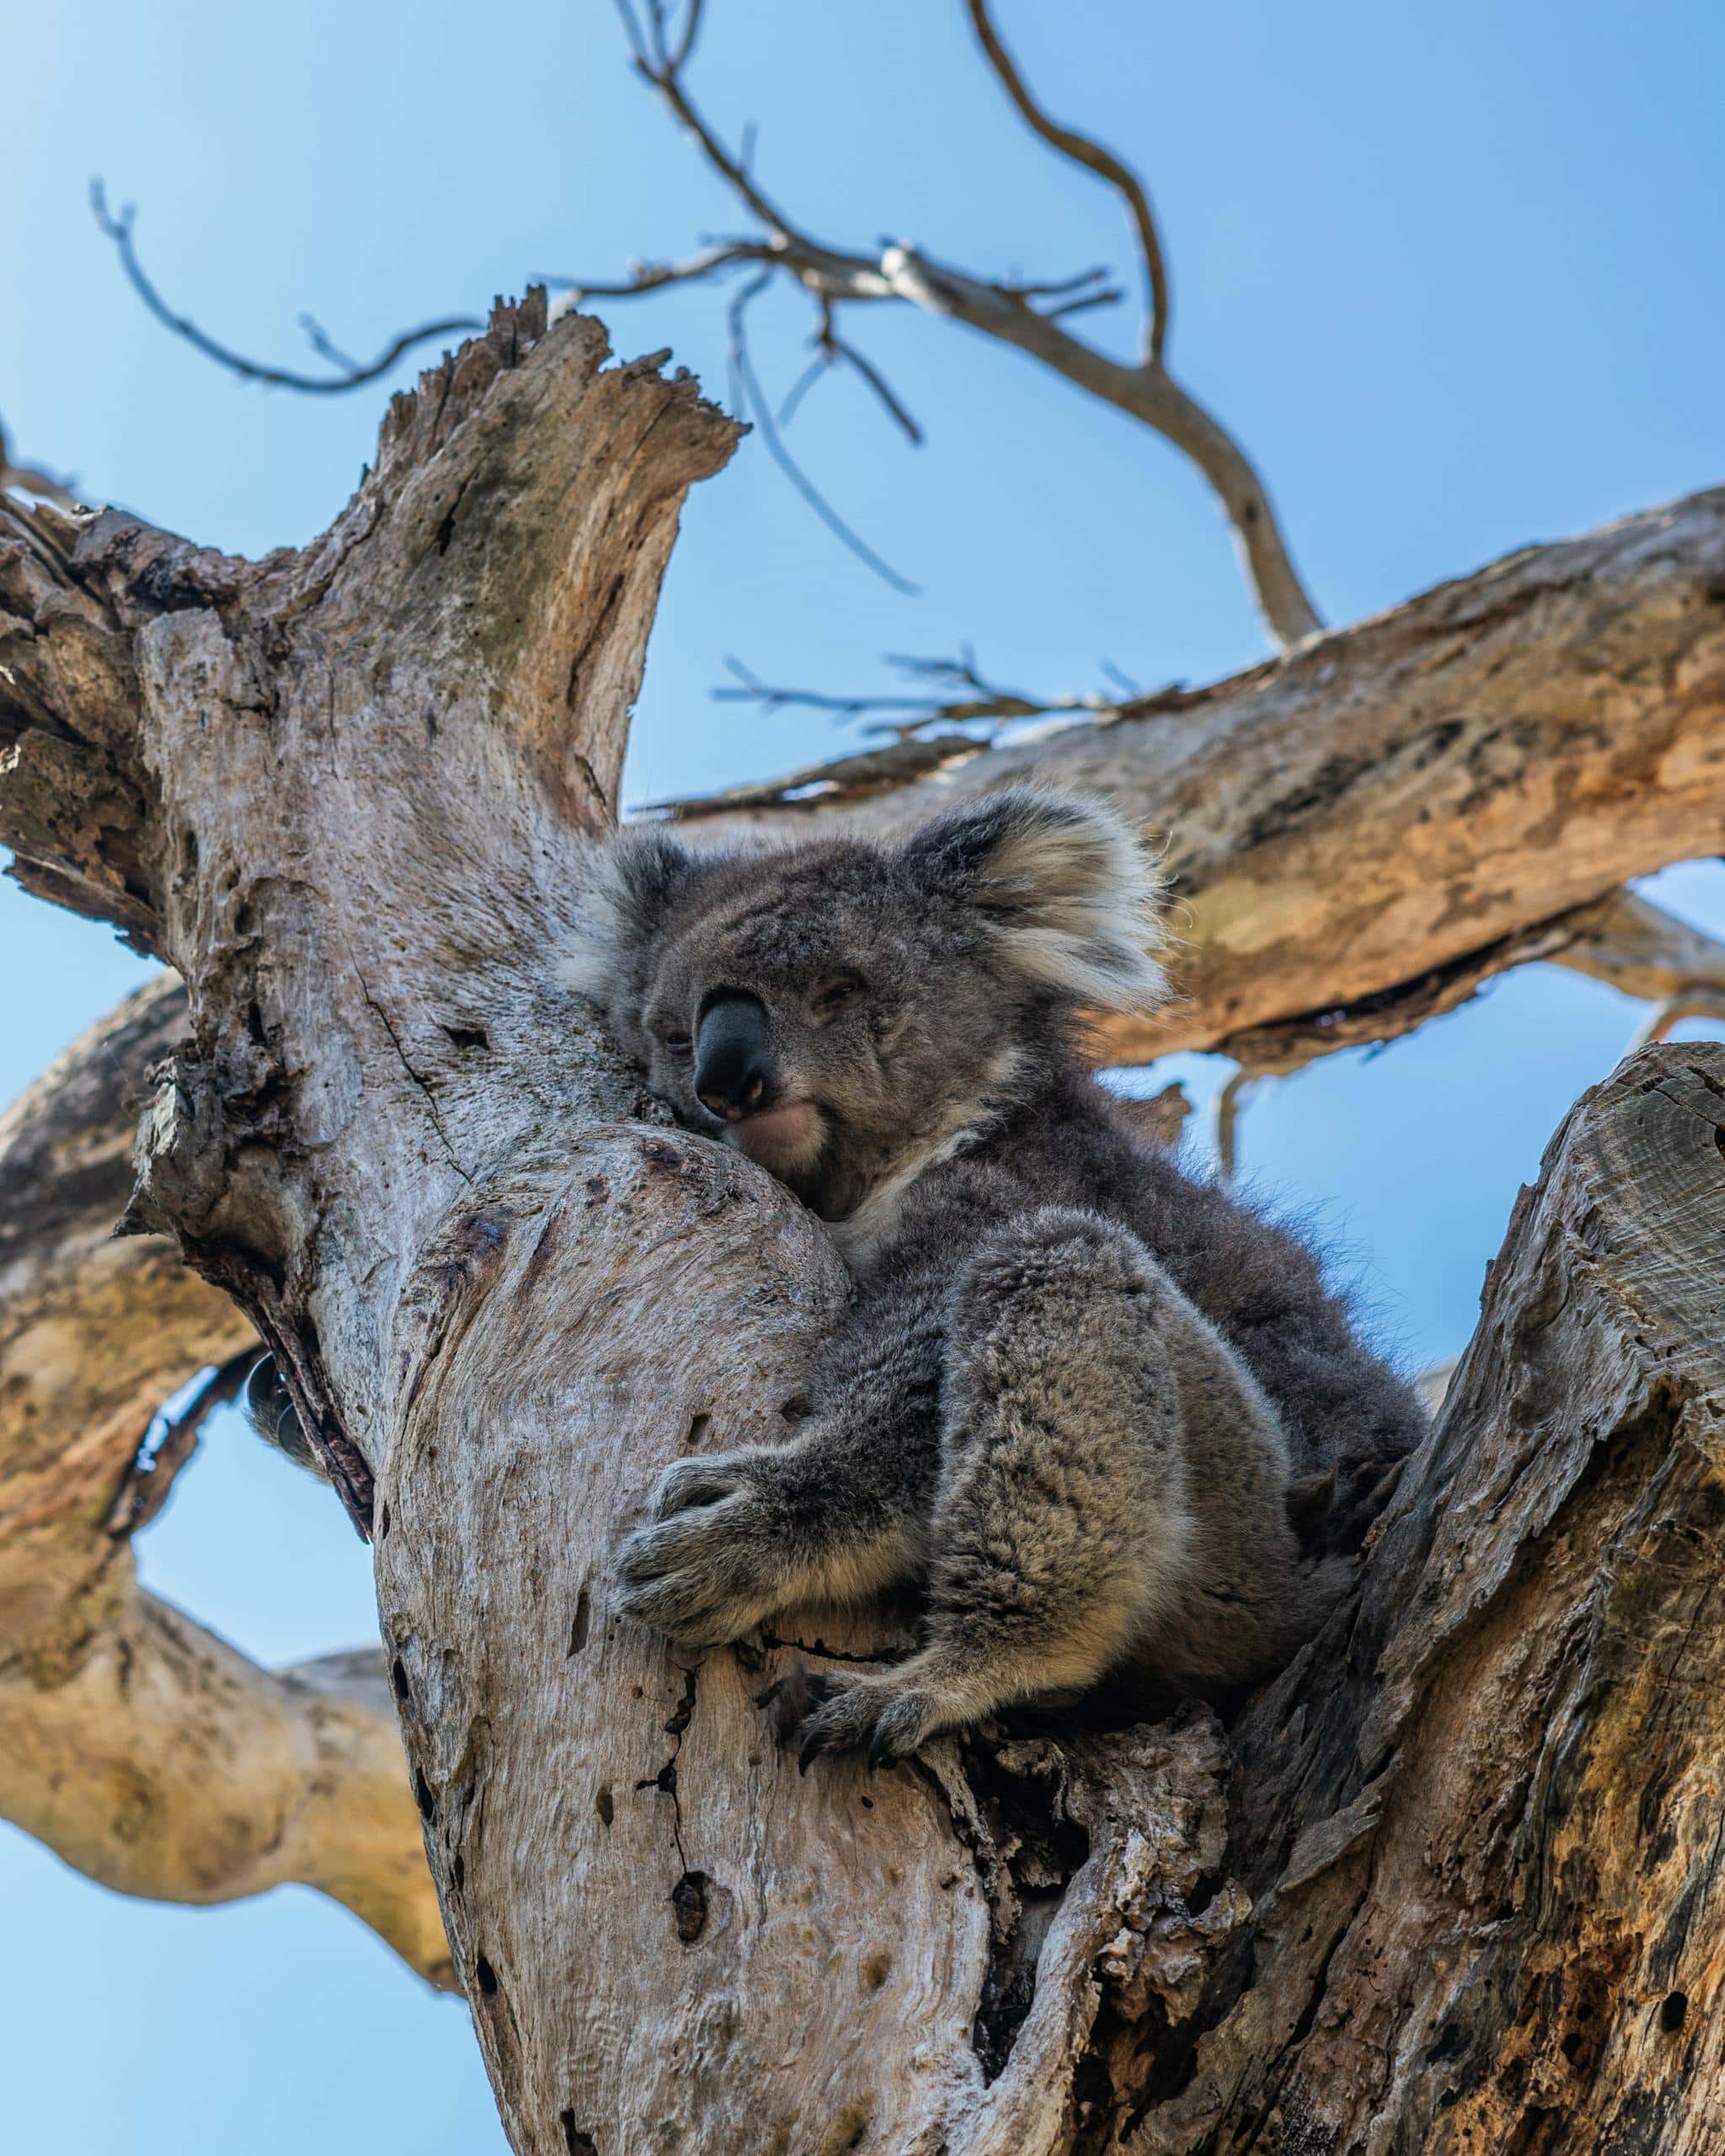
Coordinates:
733	1059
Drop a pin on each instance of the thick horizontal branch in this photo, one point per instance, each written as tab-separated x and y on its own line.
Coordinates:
139	1747
1357	835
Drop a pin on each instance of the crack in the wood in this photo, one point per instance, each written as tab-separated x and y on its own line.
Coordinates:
431	1102
666	1778
771	1641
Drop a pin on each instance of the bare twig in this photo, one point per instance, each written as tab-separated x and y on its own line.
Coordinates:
662	65
969	698
877	383
119	229
748	396
829	347
1027	315
645	277
1096	159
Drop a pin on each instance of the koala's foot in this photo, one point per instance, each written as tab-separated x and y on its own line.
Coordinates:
714	1562
893	1712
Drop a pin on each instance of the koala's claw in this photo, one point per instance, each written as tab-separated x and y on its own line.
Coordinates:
892	1719
702	1576
690	1483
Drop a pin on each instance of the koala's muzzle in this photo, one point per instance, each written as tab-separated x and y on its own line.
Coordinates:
733	1073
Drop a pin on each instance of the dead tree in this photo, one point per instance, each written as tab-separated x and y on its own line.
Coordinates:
1449	1884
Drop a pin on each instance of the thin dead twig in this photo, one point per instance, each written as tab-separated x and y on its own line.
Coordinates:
350	375
1095	157
969	699
748	395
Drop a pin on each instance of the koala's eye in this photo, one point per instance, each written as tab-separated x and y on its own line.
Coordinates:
677	1044
834	995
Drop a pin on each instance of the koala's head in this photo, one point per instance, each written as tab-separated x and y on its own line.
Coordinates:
829	1007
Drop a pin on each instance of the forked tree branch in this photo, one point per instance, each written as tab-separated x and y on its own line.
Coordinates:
141	1748
1029	316
1008	312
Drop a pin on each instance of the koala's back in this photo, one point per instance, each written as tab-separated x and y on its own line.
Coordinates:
1341	1407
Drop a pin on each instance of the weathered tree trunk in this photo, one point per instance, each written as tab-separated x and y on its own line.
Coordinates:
348	793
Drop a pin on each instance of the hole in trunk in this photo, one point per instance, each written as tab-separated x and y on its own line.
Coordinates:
688	1902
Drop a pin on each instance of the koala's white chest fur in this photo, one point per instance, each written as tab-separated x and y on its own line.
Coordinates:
860	1235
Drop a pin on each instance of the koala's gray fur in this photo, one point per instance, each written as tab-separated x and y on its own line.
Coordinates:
1080	1397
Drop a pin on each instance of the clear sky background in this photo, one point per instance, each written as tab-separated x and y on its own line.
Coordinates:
1457	277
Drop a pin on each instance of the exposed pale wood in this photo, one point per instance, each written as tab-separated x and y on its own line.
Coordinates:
135	1743
1359	833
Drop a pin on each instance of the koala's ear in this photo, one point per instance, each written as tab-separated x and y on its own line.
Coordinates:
637	876
1067	886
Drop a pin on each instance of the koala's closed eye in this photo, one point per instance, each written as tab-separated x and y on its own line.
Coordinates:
835	995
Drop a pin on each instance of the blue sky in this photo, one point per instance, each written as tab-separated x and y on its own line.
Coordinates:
1456	276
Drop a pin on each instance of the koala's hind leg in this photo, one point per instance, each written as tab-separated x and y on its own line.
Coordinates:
1061	1526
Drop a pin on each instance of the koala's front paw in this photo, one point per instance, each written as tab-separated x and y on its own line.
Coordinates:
713	1564
890	1713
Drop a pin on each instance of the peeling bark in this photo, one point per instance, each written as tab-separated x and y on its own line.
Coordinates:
354	813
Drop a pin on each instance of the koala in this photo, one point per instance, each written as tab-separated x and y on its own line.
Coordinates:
1080	1399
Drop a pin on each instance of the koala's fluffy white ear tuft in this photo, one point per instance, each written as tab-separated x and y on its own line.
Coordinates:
1068	887
637	876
